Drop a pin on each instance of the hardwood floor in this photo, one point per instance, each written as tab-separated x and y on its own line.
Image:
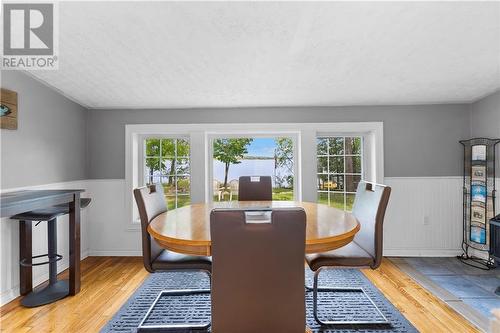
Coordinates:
425	311
107	282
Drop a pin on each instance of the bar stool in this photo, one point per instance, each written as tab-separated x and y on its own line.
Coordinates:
55	290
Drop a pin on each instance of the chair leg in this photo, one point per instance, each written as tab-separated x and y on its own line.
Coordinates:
174	327
316	289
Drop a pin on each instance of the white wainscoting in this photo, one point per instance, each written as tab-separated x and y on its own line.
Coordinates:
424	218
9	246
106	232
110	231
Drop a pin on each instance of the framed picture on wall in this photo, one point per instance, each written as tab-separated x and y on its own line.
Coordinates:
479	175
8	109
478	193
478	214
478	234
479	153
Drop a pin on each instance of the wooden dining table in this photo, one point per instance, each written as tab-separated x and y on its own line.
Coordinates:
187	229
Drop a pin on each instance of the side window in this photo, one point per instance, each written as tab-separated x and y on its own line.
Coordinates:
166	161
340	169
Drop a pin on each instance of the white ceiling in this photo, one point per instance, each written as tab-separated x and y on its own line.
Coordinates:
186	54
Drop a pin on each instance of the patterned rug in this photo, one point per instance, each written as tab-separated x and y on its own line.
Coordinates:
195	309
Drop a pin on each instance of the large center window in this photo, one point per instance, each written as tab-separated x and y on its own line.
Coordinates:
252	156
202	163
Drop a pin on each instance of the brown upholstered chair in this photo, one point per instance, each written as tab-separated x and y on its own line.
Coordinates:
365	250
255	188
258	271
151	203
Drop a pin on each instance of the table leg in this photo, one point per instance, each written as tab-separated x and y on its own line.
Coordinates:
25	253
74	245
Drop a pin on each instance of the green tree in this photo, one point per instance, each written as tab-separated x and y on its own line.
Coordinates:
153	160
230	151
352	163
173	149
283	159
159	151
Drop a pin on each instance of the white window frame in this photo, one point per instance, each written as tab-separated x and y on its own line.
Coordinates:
362	155
200	135
294	135
142	157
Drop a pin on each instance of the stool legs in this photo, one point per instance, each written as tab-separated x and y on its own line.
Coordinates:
55	289
52	248
25	253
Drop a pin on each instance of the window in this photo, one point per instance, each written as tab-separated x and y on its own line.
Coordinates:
181	157
252	156
166	161
340	169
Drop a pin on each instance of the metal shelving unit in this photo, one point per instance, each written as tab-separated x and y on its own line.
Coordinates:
478	201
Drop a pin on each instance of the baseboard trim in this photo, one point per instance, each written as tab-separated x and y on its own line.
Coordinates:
387	253
422	252
115	253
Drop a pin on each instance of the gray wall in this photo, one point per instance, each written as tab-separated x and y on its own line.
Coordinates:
55	134
49	145
485	120
419	140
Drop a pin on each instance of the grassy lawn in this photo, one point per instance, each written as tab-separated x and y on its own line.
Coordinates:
279	194
337	200
283	194
182	200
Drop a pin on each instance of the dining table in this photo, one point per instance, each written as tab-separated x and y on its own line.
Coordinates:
186	229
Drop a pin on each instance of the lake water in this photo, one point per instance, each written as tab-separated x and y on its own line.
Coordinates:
246	168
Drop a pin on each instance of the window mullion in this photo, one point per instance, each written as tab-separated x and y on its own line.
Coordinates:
344	189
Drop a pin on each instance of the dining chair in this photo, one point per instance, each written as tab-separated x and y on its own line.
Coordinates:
364	251
217	189
232	188
151	203
255	188
258	271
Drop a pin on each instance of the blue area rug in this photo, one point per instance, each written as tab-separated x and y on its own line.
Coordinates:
196	308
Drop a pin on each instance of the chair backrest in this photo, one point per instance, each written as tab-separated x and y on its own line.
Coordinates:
369	208
233	185
150	203
258	272
255	188
216	185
